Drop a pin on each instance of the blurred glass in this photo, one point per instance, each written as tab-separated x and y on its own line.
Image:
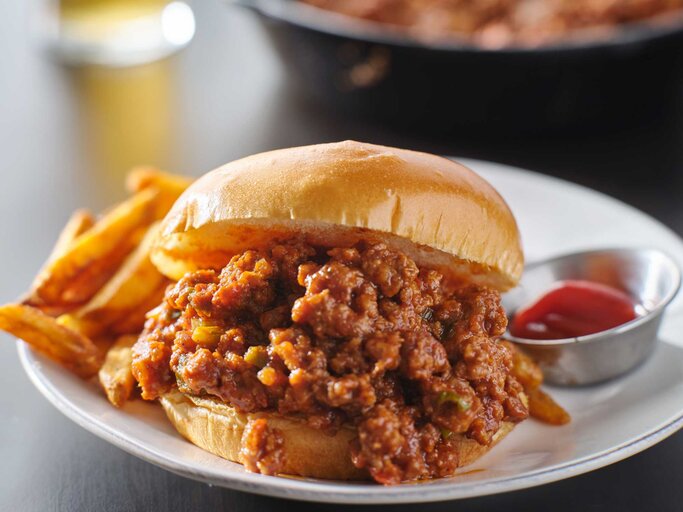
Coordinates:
127	117
115	32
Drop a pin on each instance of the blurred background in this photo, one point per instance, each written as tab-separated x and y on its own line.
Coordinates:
90	88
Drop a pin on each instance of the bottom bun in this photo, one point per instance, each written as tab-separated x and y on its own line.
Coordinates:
217	428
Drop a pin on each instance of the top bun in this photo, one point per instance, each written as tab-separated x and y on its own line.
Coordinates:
437	211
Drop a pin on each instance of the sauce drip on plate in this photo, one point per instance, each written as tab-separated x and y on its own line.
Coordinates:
572	309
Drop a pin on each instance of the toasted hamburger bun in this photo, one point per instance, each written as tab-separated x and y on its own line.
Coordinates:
217	428
438	212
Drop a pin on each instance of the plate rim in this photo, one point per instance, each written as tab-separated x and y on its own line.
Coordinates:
353	493
288	488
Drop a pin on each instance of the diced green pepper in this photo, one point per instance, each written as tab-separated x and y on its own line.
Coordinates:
256	355
451	397
207	334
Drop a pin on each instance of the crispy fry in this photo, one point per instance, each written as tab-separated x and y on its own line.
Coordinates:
102	248
79	222
529	374
115	375
142	177
87	328
102	267
56	341
134	321
93	278
170	185
129	287
524	368
544	408
103	342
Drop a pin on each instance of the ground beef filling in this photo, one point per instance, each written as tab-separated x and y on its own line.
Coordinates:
349	335
262	447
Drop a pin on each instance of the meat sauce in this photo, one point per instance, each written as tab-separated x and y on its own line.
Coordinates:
498	23
355	335
572	309
262	447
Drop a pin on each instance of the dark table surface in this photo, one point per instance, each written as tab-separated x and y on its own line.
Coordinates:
68	135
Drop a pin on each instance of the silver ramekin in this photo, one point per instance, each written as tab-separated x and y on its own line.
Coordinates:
649	276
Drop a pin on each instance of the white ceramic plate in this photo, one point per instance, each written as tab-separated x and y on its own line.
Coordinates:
610	421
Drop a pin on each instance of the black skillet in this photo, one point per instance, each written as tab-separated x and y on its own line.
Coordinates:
586	84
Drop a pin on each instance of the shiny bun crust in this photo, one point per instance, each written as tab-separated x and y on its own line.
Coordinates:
437	211
217	428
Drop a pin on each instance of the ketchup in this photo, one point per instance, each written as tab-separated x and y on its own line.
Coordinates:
571	309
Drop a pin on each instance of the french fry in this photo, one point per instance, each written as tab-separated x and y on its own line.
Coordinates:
142	177
129	287
102	247
95	276
46	335
170	185
79	222
544	408
524	368
87	328
134	321
103	268
529	374
103	342
115	375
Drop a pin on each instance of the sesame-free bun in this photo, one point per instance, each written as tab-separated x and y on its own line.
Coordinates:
217	428
435	210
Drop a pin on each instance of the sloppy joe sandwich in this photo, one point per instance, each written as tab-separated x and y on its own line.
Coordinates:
335	313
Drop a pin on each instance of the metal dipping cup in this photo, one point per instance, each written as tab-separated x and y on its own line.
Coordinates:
648	276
